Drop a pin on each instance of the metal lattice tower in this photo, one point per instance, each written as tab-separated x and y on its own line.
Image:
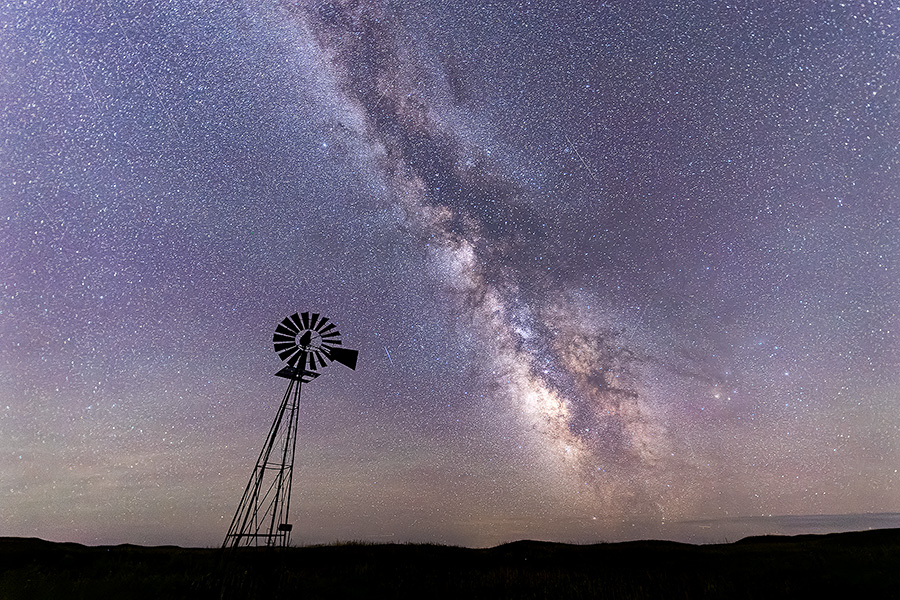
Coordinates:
306	343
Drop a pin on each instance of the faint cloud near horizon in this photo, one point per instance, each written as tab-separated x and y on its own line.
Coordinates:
740	527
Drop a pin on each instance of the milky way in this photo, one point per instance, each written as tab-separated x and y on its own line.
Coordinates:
613	271
574	382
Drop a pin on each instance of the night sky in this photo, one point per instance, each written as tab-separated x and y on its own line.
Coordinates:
615	270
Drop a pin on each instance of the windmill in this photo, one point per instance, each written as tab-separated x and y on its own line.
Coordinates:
306	342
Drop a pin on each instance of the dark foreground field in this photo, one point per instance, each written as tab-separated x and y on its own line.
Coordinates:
863	565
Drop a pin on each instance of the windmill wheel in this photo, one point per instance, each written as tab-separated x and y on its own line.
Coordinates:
310	342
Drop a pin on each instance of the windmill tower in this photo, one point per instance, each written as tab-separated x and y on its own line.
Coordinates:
306	342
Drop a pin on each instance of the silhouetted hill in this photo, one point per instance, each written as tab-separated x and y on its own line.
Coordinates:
858	564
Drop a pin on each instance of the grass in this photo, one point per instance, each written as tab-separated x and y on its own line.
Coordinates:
862	564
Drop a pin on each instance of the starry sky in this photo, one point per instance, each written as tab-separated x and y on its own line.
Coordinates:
615	270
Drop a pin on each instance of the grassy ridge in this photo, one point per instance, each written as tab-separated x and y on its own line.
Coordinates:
862	564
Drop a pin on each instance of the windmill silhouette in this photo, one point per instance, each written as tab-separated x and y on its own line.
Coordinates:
306	343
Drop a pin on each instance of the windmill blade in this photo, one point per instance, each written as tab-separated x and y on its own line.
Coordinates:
344	356
284	353
321	324
331	342
305	320
324	329
278	338
287	354
281	346
298	360
312	320
284	329
322	355
330	335
298	322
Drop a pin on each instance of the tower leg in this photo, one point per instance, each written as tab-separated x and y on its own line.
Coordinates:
262	516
